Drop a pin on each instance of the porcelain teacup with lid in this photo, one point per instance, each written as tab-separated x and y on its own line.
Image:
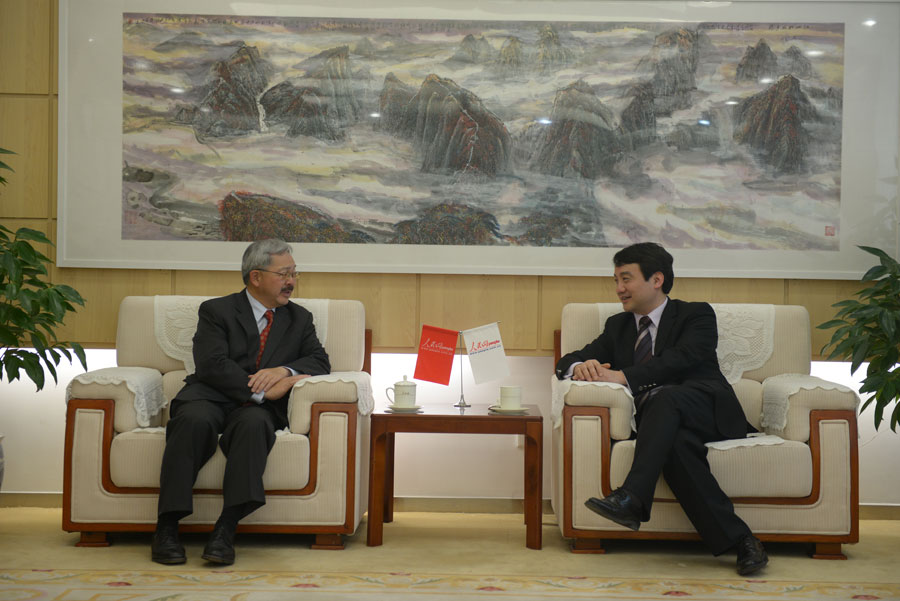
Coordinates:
402	394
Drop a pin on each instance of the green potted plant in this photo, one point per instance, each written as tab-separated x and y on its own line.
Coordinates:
868	329
31	308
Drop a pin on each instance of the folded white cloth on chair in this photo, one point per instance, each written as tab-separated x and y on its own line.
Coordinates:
363	382
144	382
752	440
777	390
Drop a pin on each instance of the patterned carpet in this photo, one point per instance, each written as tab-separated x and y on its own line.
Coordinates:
429	557
234	585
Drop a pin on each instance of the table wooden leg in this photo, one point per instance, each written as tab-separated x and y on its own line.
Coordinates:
526	501
377	456
534	477
389	478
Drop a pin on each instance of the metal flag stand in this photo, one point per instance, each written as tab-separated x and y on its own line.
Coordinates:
462	397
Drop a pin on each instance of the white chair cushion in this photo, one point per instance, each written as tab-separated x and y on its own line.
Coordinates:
136	457
741	472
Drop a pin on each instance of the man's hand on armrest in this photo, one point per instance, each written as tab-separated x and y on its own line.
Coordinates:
594	371
264	379
283	386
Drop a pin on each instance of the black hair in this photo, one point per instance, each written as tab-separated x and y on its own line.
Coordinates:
650	257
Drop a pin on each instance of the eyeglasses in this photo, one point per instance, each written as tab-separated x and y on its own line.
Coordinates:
284	275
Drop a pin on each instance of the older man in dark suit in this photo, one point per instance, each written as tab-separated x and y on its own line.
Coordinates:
250	348
664	351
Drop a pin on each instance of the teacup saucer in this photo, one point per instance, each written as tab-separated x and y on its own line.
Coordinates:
517	411
413	409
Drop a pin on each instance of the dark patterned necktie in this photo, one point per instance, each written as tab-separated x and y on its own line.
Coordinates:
264	335
643	348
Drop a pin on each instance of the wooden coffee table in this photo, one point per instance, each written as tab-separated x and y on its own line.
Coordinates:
476	419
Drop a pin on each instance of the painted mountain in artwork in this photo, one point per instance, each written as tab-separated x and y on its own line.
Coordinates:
572	134
449	125
772	122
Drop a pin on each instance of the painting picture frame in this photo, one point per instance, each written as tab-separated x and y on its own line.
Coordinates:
743	228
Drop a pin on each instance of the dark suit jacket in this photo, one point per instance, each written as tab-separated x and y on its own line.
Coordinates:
684	353
227	341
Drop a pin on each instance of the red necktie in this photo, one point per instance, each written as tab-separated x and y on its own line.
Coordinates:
264	335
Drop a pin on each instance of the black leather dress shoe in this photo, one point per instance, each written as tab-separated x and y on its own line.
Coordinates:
620	507
220	546
165	548
751	557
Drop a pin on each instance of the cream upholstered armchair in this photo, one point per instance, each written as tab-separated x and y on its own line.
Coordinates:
796	482
317	475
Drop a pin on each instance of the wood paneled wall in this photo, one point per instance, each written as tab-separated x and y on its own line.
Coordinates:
528	307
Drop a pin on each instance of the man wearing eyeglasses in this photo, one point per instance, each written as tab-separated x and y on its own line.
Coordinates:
250	348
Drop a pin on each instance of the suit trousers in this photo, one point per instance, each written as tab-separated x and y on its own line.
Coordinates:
673	426
248	434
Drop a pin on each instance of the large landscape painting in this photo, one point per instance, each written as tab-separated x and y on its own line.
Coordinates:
436	132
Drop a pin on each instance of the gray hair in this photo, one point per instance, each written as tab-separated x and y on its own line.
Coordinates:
259	255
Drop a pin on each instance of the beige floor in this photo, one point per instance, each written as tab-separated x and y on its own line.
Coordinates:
449	543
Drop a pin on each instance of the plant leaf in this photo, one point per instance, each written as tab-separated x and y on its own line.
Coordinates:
888	324
7	337
25	233
79	352
831	324
876	251
846	302
34	369
69	293
874	273
52	369
12	268
13	365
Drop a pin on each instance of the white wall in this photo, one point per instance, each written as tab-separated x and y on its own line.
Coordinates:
445	465
34	424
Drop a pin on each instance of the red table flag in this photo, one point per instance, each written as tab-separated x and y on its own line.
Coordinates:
436	350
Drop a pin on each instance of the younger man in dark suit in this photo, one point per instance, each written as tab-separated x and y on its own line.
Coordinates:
250	348
664	351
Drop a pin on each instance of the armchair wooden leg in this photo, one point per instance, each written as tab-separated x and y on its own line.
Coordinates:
827	551
329	542
93	539
588	545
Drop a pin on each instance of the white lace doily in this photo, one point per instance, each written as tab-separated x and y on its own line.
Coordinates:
778	389
746	338
175	321
144	382
365	398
